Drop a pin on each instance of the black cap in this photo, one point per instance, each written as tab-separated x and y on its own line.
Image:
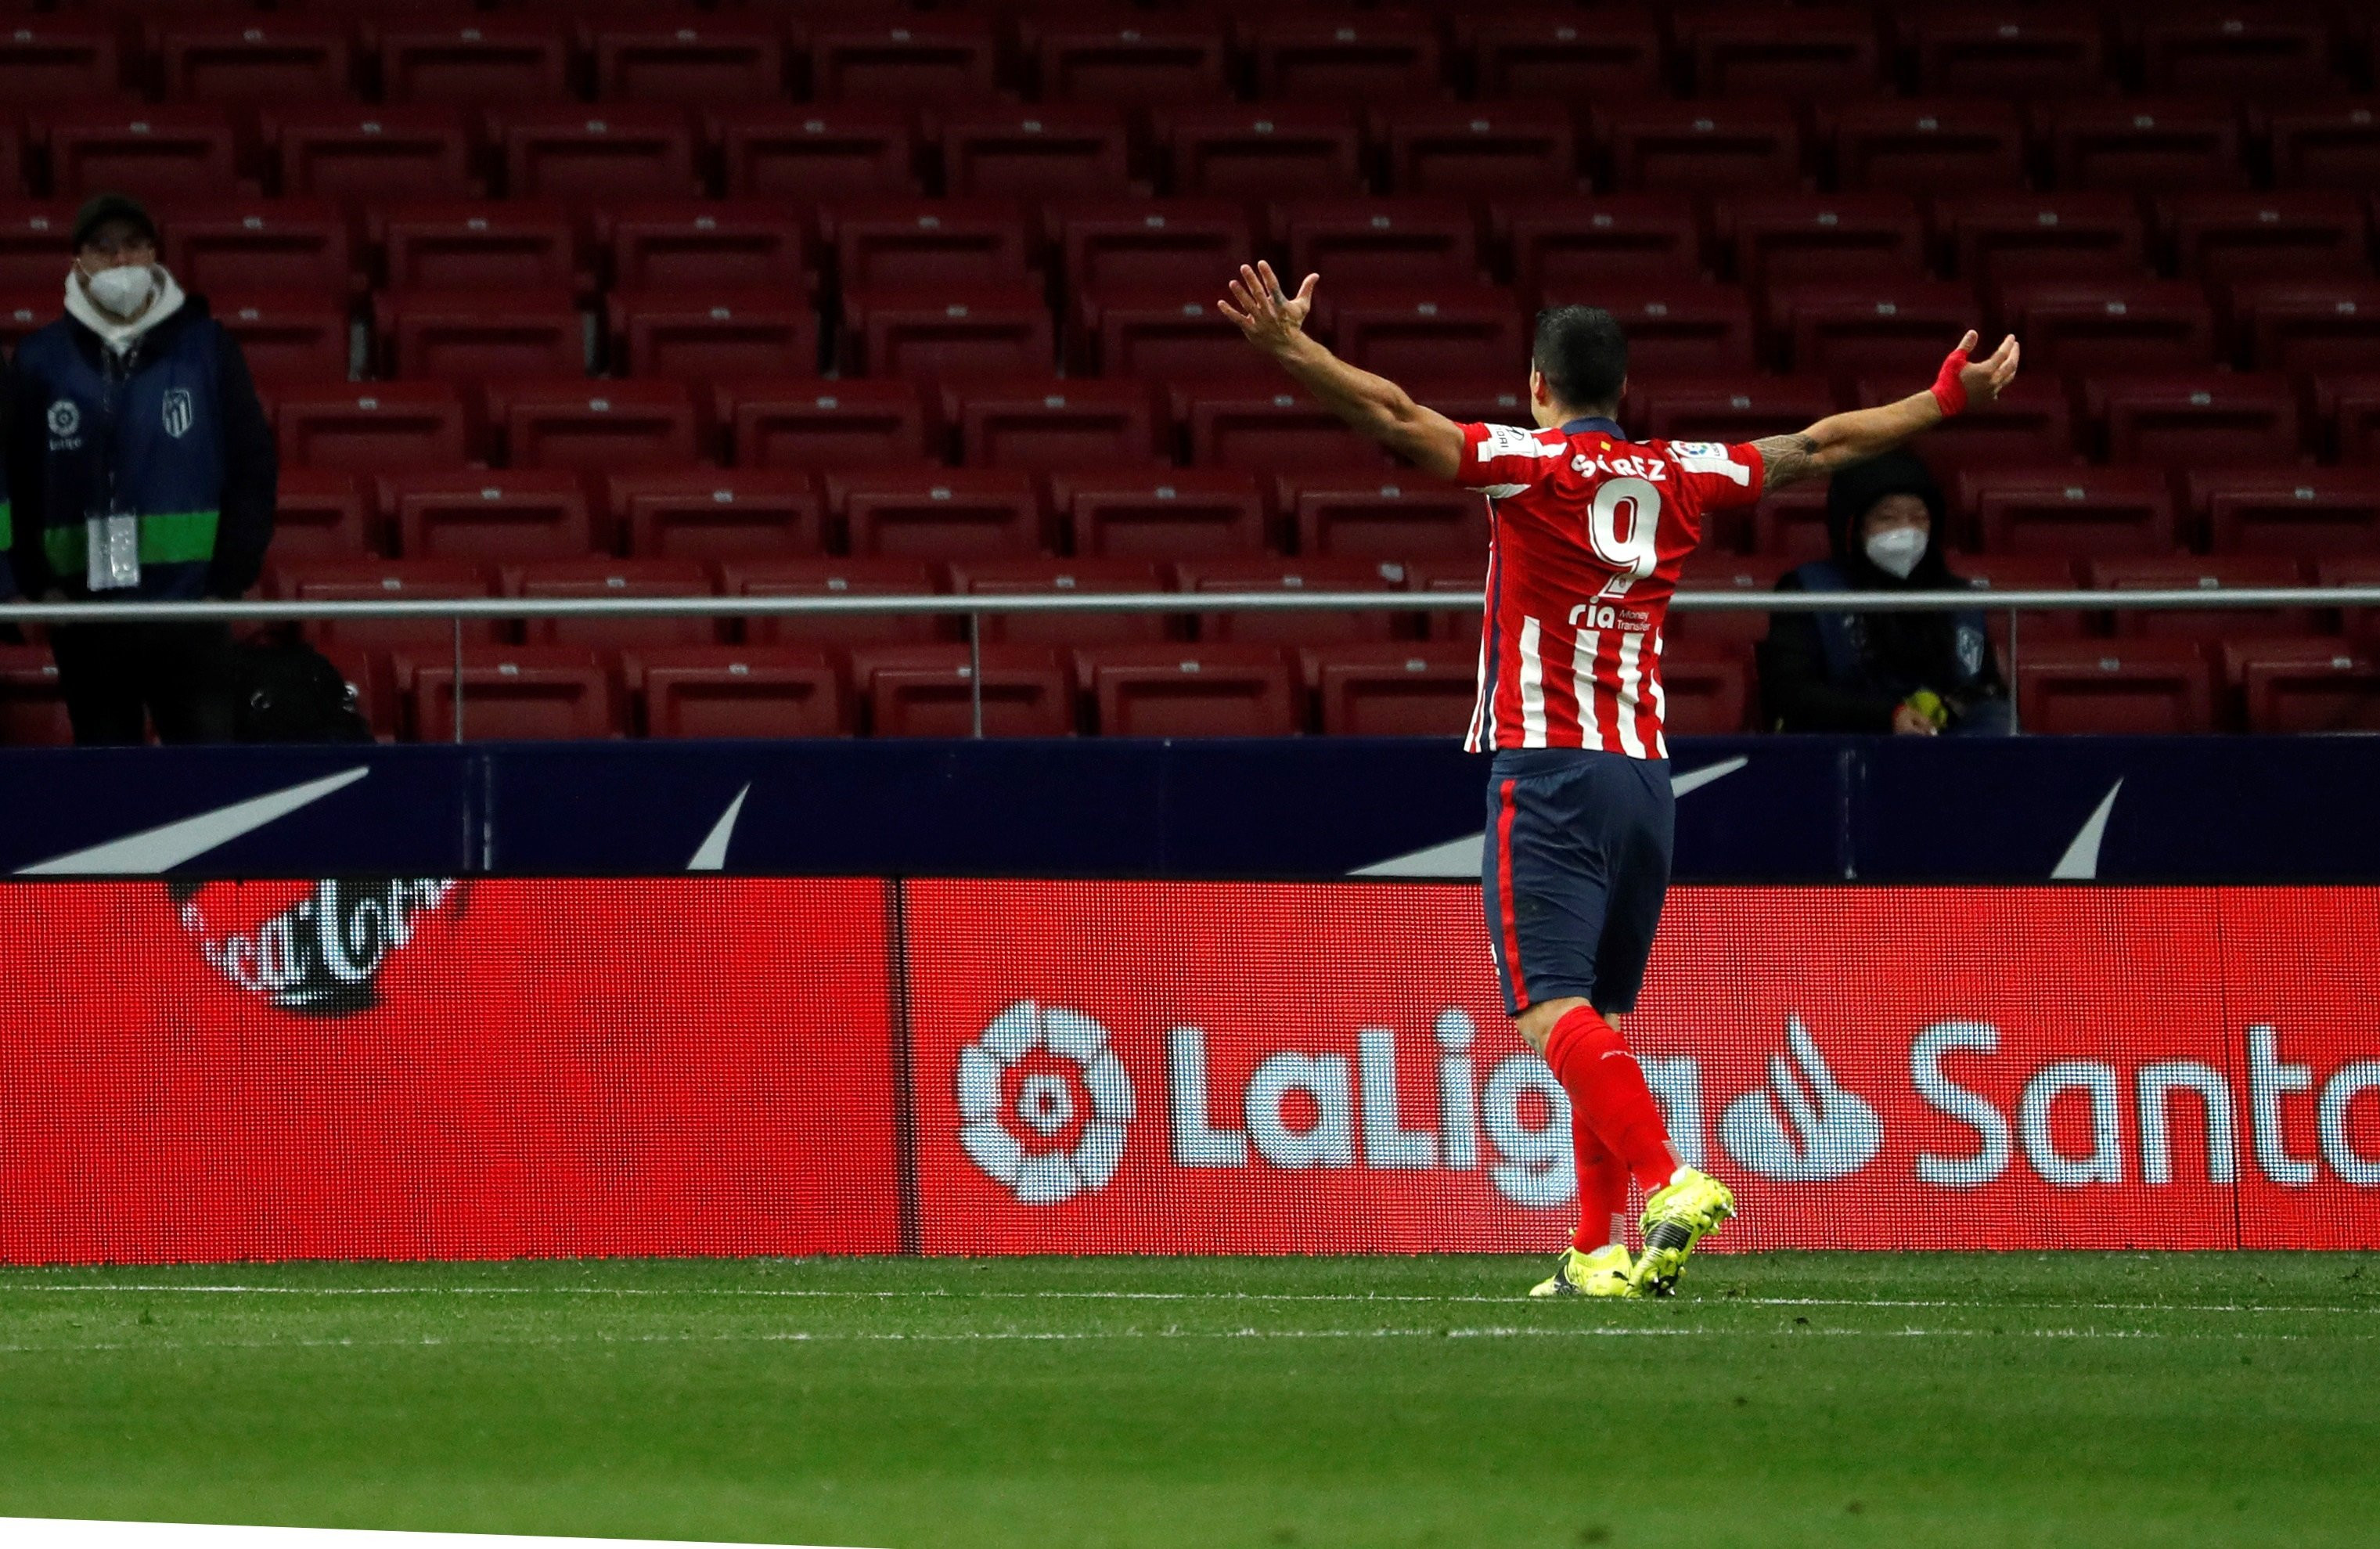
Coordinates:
100	209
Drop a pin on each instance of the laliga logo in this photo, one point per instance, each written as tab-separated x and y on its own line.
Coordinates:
1041	1170
1823	1133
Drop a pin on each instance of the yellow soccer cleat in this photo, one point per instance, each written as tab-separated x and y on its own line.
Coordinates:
1678	1216
1604	1272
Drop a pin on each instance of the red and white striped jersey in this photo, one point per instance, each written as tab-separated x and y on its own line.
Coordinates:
1589	531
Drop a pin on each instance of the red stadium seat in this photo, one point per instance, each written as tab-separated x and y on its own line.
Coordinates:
1899	329
294	248
2236	50
1500	397
596	426
1274	151
605	150
482	244
816	151
1047	422
322	514
1704	147
2288	510
601	576
2309	326
1706	692
34	235
1999	238
2207	419
371	428
483	516
2349	410
474	61
711	334
2011	50
2327	143
2302	685
23	311
918	60
511	694
1343	57
1169	332
735	691
2139	325
2359	569
251	59
1573	244
930	242
702	245
1161	514
1143	60
1264	429
1478	150
1048	151
287	336
1890	145
1808	52
715	513
1374	241
1551	54
1403	518
1133	245
1403	332
1062	577
1674	327
2031	422
386	152
2023	572
2188	572
1826	236
1192	690
63	58
156	152
375	579
1270	573
2225	238
32	706
832	578
1395	688
2146	145
947	330
2133	688
1463	581
939	513
1731	409
474	334
720	57
1731	629
2070	510
932	690
805	423
1789	523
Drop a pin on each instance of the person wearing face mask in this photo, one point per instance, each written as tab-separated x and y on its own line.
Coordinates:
144	468
1917	673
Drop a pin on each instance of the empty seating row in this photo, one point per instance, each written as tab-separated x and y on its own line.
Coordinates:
1296	148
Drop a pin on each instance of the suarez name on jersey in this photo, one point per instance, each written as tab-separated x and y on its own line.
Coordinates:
1589	530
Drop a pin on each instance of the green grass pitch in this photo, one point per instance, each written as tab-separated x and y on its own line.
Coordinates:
2100	1399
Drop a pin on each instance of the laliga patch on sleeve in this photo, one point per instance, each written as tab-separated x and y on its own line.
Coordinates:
1510	441
1709	457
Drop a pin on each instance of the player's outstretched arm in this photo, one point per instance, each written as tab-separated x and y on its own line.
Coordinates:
1275	323
1839	440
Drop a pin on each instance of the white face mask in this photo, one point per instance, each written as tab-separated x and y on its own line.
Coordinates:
124	290
1896	550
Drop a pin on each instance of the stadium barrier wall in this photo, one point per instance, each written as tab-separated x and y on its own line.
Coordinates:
441	1069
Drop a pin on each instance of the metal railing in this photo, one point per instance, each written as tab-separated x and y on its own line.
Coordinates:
463	610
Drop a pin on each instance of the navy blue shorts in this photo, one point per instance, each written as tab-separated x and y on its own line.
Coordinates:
1577	863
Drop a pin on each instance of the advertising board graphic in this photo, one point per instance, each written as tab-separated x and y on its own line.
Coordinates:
433	1068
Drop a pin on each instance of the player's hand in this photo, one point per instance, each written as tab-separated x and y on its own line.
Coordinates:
1984	380
1271	318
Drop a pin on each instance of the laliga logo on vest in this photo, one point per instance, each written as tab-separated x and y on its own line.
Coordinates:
66	419
1045	1103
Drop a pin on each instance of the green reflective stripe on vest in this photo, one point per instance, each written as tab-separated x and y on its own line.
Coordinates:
167	537
7	523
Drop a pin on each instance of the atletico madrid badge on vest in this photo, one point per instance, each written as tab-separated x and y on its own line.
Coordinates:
178	412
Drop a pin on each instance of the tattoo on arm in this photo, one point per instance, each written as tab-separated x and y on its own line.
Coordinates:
1787	459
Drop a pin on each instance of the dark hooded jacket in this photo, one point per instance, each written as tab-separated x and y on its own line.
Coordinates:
1850	672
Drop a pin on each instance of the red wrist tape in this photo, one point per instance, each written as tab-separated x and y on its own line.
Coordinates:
1948	390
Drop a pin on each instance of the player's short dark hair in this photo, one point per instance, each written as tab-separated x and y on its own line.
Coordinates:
1583	354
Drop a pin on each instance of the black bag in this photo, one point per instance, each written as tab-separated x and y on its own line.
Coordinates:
285	690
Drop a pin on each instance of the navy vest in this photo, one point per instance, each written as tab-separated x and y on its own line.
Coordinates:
1843	638
143	436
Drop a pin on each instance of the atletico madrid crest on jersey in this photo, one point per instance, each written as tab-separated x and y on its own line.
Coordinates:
1589	530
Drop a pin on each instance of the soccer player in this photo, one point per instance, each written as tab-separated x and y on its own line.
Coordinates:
1588	534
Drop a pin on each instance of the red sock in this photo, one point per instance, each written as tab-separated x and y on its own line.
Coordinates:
1602	1189
1605	1085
